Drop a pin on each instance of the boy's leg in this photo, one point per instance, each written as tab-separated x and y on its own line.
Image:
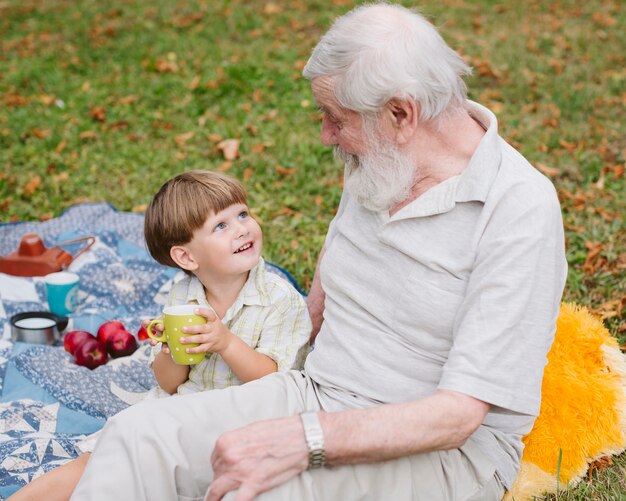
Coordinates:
55	485
161	449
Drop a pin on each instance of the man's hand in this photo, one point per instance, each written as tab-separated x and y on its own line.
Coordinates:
257	458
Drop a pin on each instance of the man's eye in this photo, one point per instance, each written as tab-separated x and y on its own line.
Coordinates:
243	214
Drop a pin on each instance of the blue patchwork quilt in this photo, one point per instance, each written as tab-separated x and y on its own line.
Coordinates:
48	403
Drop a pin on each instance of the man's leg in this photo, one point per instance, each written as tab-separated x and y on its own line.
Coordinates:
456	475
160	450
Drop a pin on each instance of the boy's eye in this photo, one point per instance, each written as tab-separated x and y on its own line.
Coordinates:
220	226
243	214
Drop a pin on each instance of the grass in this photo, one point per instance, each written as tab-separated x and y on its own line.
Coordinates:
103	101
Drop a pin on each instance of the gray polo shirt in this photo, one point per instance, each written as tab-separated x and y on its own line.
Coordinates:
458	290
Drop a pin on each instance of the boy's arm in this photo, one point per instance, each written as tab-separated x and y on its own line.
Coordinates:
169	374
246	363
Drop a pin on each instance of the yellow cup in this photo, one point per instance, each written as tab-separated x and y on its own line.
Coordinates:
174	319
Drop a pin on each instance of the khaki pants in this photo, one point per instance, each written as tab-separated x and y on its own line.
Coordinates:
160	450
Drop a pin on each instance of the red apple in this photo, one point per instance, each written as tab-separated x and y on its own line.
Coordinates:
73	339
91	354
121	344
108	328
142	333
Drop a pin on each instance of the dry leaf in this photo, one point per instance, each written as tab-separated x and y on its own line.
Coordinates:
41	133
247	174
194	82
284	171
128	99
229	148
215	138
258	148
98	114
272	8
15	100
225	166
548	171
166	66
62	177
46	216
139	208
47	100
61	146
181	139
88	134
294	244
31	186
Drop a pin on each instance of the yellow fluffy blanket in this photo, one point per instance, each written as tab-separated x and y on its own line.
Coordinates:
583	409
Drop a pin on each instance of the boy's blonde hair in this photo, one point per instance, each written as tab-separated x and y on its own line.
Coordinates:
182	206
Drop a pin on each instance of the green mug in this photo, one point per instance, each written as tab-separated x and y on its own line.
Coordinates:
174	319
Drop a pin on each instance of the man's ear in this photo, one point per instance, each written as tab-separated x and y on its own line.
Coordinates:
404	115
183	258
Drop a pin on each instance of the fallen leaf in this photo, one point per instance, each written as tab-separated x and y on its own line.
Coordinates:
225	166
46	99
229	148
41	133
15	100
46	216
571	227
294	244
62	177
98	114
128	99
181	139
88	134
194	82
61	146
258	148
215	138
139	208
247	174
272	8
284	171
31	186
548	171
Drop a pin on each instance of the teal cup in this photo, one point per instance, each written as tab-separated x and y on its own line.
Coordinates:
62	292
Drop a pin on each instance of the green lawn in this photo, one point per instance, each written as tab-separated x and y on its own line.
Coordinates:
106	100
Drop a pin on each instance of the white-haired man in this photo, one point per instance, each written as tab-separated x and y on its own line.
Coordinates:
435	299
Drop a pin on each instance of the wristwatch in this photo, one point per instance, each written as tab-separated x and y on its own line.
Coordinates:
314	439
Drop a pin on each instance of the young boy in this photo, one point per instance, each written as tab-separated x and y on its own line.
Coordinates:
257	323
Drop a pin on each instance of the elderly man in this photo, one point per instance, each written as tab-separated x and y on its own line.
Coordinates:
435	298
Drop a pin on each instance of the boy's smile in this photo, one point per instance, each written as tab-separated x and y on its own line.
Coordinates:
229	243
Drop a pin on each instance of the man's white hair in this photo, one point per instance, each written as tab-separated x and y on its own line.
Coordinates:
382	51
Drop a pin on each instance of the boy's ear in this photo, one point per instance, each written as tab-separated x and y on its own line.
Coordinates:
183	258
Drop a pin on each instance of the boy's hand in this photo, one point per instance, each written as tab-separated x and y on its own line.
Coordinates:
212	336
154	342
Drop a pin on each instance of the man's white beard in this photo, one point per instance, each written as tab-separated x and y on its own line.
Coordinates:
378	180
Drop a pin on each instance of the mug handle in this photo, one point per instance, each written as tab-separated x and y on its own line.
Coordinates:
160	338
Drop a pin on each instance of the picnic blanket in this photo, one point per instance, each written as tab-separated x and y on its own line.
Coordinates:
48	403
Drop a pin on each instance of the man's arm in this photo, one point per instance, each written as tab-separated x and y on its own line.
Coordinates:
262	455
315	299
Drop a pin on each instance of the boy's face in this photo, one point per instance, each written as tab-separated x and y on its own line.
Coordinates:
229	243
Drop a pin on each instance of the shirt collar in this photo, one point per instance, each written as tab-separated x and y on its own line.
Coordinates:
253	292
473	183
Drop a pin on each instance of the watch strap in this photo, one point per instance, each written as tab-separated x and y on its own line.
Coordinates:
314	436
